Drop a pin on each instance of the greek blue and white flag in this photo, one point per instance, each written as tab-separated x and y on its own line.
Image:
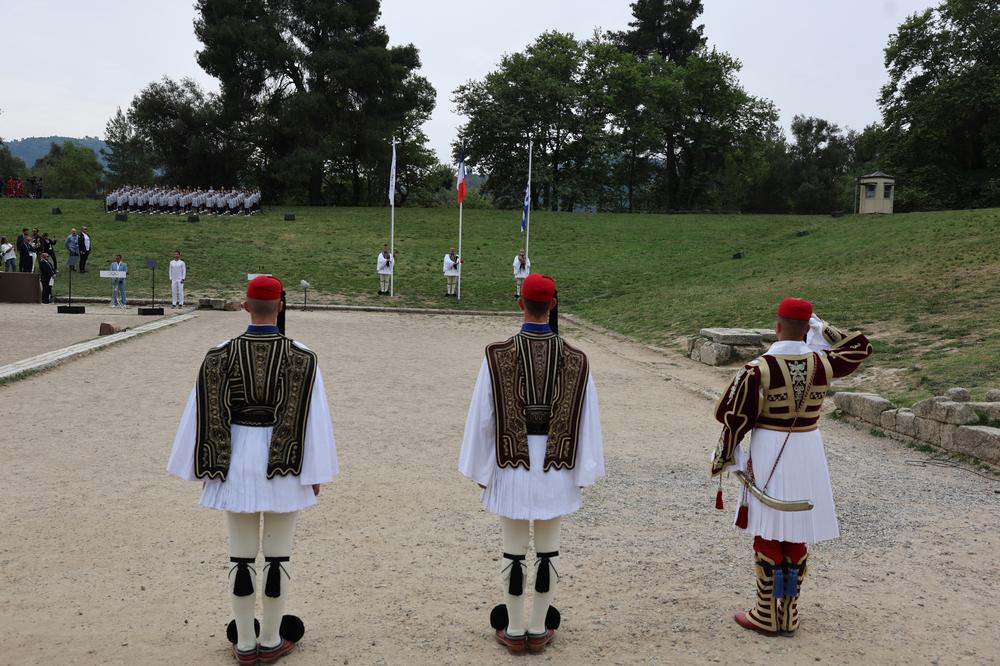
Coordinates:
526	208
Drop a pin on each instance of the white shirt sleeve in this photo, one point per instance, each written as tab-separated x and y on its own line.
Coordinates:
590	447
477	459
181	461
319	451
814	338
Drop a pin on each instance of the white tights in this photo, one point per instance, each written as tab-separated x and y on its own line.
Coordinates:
244	541
515	542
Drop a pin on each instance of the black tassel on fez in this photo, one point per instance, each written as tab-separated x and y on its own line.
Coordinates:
272	585
516	585
542	579
243	585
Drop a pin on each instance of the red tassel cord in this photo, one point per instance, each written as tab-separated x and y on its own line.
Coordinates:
718	495
742	517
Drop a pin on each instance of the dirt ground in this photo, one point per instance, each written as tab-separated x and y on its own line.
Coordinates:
105	559
27	329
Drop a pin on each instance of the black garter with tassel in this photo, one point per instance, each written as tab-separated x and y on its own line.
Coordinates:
542	579
516	585
272	583
243	586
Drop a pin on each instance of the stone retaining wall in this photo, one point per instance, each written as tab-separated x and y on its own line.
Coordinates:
952	421
721	346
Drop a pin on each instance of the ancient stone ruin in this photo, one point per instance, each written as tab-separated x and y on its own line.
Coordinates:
721	346
953	421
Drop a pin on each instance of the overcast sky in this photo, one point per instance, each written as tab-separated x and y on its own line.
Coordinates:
68	64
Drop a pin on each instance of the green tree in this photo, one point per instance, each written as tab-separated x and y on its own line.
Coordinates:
314	86
68	171
9	164
665	28
941	106
535	94
183	130
127	158
821	155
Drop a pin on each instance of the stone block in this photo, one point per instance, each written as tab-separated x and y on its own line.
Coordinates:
731	336
905	424
947	435
958	413
982	442
888	420
865	406
231	306
986	411
692	342
747	352
696	345
767	335
993	395
958	394
926	407
713	353
110	329
927	430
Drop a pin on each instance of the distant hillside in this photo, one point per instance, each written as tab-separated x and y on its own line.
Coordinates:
34	148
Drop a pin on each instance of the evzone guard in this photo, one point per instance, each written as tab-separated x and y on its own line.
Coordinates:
532	442
256	431
787	499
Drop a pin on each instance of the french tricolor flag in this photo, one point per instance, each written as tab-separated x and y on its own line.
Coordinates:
460	176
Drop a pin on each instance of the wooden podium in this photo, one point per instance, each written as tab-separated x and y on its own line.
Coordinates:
20	288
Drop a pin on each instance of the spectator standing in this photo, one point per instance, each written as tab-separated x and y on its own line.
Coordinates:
72	244
84	249
118	284
47	276
48	246
8	255
24	251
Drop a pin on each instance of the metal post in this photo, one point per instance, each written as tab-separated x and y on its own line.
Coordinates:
527	222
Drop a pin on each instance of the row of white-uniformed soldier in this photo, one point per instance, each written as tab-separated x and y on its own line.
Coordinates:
182	200
451	267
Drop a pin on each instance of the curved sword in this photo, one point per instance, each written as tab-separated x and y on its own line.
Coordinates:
768	501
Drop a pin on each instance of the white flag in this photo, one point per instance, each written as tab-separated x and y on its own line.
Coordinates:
392	177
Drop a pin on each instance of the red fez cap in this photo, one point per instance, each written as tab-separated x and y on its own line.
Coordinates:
538	287
264	288
796	309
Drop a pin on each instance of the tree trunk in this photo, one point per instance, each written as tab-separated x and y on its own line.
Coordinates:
355	182
671	172
316	184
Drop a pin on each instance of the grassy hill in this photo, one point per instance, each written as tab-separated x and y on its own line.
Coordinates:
926	286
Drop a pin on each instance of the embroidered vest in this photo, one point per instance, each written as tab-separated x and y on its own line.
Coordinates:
539	383
784	381
254	380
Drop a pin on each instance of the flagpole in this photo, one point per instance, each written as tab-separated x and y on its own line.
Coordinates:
527	225
460	259
392	222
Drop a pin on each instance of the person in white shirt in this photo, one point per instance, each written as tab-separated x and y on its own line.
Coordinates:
383	266
452	266
178	273
522	267
532	441
7	255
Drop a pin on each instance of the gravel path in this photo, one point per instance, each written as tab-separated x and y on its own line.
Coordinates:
106	559
27	330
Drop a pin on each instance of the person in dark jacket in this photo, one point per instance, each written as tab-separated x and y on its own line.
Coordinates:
25	251
48	246
47	276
